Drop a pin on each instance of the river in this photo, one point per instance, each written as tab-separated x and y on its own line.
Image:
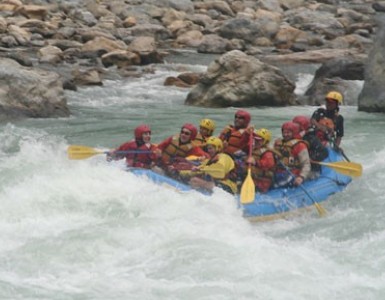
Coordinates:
88	230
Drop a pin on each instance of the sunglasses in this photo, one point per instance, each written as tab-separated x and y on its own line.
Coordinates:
239	117
185	132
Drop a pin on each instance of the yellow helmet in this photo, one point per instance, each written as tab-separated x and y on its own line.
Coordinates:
208	124
263	133
216	142
336	96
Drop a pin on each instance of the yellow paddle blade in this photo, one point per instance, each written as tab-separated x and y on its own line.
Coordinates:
248	189
81	152
344	167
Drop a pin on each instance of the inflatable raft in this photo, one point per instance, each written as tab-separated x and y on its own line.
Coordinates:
279	202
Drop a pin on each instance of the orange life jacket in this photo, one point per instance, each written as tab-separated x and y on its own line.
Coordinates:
199	141
286	150
175	149
234	139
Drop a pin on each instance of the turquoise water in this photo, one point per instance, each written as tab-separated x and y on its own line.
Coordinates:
88	230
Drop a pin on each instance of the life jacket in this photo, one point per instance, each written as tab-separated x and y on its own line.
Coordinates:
257	172
227	182
199	141
144	160
138	159
264	179
233	137
175	149
286	150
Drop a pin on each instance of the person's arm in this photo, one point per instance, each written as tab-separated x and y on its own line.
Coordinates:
220	168
339	130
165	143
300	150
225	133
115	155
198	151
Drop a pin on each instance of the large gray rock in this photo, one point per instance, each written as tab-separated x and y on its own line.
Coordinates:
237	79
336	75
26	92
372	96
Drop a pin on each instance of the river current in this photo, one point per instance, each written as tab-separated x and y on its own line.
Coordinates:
86	229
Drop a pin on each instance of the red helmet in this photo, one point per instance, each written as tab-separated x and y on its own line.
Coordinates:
192	128
140	130
303	122
244	114
291	126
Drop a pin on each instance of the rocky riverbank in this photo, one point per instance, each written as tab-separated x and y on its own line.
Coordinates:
85	42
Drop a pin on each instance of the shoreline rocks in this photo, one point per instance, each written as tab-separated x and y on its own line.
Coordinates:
26	92
116	38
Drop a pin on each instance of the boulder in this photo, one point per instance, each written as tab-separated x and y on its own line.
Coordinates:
372	96
26	92
335	74
237	79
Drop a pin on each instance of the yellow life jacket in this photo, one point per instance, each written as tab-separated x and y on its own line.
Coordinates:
223	165
174	149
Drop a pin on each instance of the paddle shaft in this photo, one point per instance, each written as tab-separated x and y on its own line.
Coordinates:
84	152
131	152
343	154
340	150
320	209
248	186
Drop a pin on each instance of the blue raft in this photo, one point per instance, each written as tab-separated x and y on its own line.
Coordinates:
279	202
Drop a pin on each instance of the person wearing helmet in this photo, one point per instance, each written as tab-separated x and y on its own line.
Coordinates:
139	152
175	149
325	131
295	156
206	130
236	137
263	161
304	124
332	100
317	151
214	171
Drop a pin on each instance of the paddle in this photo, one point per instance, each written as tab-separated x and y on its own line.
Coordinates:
83	152
248	186
343	154
320	209
344	167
